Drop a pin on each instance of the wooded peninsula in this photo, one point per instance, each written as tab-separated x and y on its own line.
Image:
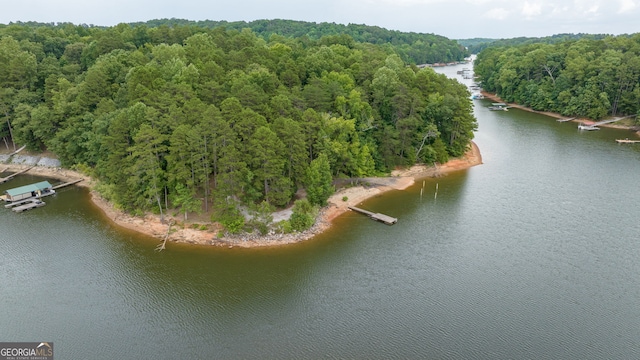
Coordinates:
236	120
195	118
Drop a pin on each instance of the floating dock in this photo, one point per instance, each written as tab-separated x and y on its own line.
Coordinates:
627	141
32	204
18	203
376	216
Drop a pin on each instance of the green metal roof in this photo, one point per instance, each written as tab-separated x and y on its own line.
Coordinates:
42	185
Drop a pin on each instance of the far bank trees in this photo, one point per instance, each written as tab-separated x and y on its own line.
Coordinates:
591	78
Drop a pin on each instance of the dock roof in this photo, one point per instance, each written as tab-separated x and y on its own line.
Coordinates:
42	185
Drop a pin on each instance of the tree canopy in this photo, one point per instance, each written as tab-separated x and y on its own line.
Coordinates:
413	48
476	45
190	118
583	78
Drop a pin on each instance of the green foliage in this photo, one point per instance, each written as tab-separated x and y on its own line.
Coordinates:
284	227
413	47
440	151
319	182
477	45
107	191
262	217
228	214
591	77
303	216
185	199
194	113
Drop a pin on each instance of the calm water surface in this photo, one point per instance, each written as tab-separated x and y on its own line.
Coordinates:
533	254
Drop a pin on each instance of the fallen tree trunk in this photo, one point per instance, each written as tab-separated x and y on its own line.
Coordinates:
162	246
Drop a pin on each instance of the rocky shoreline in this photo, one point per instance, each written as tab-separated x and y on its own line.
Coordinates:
151	225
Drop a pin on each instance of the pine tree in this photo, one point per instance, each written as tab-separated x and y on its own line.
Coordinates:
319	182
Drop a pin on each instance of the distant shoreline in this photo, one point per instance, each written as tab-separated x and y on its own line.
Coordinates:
151	225
585	121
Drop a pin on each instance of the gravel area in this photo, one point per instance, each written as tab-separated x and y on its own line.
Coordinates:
30	160
25	159
48	162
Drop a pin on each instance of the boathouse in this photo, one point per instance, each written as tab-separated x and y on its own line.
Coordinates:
28	191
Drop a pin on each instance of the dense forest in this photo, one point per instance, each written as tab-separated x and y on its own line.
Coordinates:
413	48
218	120
476	45
584	78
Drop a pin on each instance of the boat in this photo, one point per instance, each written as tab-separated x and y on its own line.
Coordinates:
498	107
477	96
587	127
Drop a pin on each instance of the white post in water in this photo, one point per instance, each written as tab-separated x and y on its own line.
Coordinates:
435	196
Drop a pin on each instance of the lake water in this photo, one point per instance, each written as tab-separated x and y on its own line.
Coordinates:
533	254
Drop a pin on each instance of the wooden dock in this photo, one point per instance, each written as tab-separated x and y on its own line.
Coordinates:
609	121
66	184
627	141
5	179
376	216
32	204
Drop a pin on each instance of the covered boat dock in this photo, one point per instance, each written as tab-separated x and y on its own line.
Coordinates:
36	190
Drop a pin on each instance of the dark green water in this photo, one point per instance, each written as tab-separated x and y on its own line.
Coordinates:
533	254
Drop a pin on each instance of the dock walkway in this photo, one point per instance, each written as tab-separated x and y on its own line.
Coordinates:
66	184
17	203
376	216
609	121
34	203
5	179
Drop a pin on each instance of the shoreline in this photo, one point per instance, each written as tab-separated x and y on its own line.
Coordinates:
151	225
586	121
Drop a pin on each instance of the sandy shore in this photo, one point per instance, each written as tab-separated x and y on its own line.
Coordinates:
151	225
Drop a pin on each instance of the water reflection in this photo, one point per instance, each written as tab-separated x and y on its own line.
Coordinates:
531	255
